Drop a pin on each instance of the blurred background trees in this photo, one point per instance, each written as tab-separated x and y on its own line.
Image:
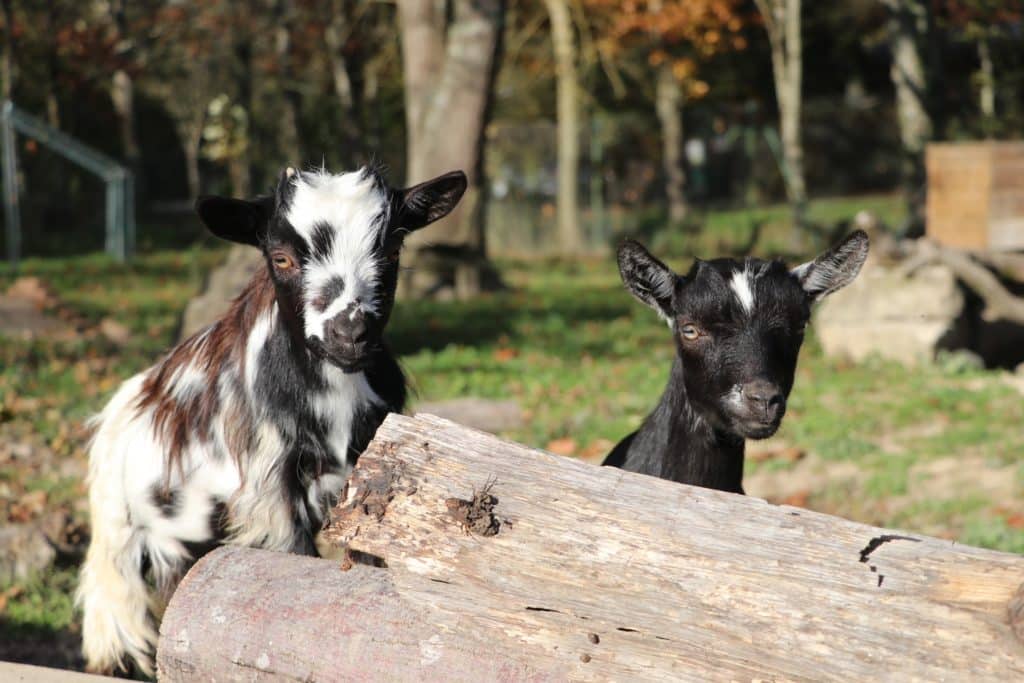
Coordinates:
702	127
575	119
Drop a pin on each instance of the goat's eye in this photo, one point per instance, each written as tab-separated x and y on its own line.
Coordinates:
689	332
283	261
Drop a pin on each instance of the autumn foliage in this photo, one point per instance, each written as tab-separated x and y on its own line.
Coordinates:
679	33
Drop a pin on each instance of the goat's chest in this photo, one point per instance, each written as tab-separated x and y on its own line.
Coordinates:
339	413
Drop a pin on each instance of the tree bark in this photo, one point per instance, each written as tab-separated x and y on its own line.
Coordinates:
238	172
570	235
240	167
291	139
122	95
334	37
350	125
987	96
449	65
782	22
461	557
669	104
906	27
191	135
52	67
1000	303
7	67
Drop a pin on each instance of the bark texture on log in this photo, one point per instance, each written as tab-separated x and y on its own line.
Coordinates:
488	560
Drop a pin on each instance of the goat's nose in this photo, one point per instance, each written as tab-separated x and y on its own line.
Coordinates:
348	328
764	396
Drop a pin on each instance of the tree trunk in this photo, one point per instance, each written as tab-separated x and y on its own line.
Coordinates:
792	140
570	235
52	67
291	139
8	59
191	135
461	557
669	104
334	36
908	78
238	172
782	22
350	125
449	65
122	94
987	98
240	167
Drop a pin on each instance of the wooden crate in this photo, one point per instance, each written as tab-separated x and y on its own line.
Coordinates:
976	194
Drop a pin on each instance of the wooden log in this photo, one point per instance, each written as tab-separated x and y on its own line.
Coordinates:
463	557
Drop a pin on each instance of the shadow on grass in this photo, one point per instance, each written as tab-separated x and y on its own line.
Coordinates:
517	316
34	644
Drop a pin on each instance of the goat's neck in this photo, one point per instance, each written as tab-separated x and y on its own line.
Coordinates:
693	451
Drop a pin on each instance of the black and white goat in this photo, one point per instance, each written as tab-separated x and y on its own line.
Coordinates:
738	327
245	432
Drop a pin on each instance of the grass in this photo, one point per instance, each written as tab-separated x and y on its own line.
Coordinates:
584	360
726	232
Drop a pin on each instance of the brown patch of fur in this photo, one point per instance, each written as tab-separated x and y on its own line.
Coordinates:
211	351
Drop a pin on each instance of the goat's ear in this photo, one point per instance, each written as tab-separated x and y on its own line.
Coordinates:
647	278
285	188
427	202
835	268
236	220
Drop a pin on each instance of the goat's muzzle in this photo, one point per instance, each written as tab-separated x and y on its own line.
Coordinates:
760	409
349	340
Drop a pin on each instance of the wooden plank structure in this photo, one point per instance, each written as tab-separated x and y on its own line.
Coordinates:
462	557
975	197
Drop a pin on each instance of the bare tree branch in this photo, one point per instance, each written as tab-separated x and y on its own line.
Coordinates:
1000	303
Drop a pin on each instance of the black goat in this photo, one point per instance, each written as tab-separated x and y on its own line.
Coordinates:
738	327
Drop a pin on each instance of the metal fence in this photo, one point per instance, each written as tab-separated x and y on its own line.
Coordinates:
120	183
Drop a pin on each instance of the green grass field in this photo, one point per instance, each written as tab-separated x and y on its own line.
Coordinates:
932	449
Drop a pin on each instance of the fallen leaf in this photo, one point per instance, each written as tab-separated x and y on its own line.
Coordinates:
1015	521
12	592
115	332
505	355
797	500
784	454
597	449
28	506
564	446
33	290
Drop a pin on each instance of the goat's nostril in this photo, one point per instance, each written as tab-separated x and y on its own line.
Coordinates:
763	396
342	330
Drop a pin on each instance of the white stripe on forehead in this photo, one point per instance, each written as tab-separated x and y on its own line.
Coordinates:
351	203
743	287
353	207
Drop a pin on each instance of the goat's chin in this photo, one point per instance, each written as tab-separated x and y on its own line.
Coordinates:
757	430
348	365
